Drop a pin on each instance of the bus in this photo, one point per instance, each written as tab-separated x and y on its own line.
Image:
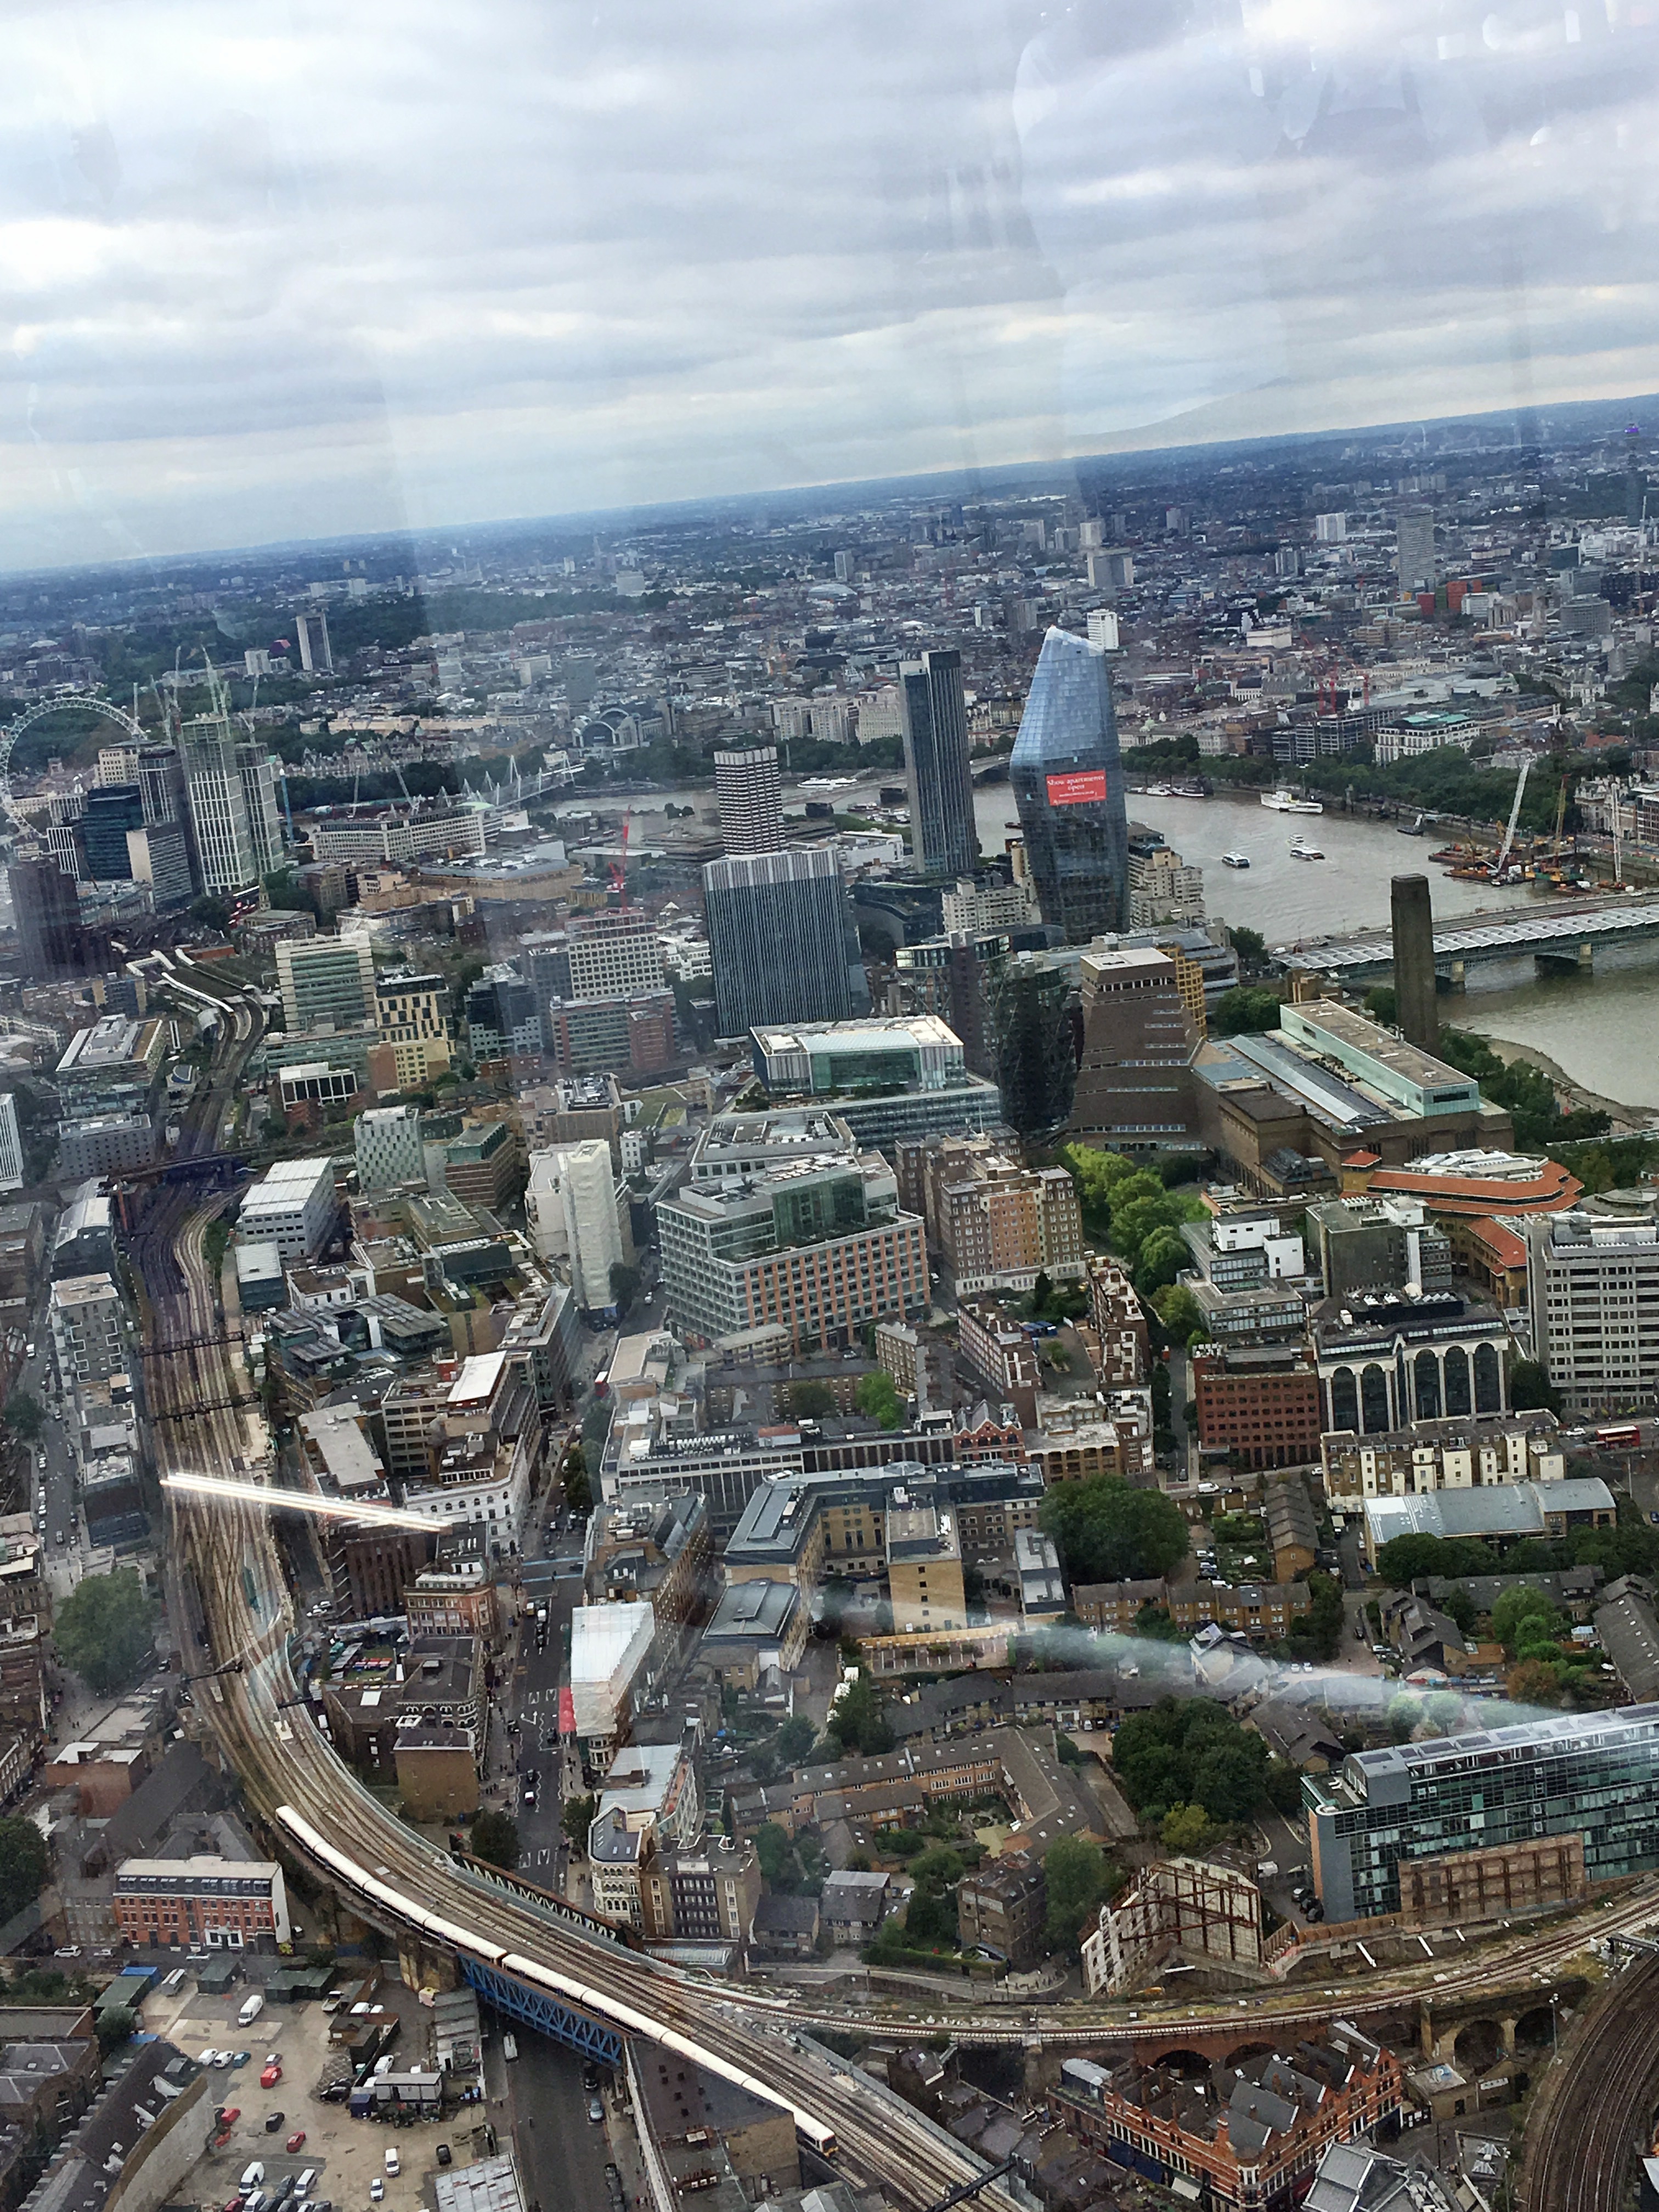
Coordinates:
1624	1436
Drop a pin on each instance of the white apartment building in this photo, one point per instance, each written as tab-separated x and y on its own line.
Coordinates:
89	1341
571	1207
613	954
12	1173
292	1207
484	1461
232	794
1594	1292
389	1148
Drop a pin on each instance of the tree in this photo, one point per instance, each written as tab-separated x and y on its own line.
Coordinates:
577	1817
1186	1829
23	1417
115	2026
809	1401
1404	1711
212	913
1078	1875
105	1629
877	1396
1533	1682
1457	1605
772	1849
1231	1779
1523	1611
624	1286
495	1838
1382	1005
1109	1533
1179	1313
858	1721
1249	944
24	1864
795	1739
1245	1010
1530	1388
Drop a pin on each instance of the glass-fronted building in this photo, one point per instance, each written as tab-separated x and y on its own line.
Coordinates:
1068	787
1595	1775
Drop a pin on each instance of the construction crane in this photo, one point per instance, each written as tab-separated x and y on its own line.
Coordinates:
1501	864
619	868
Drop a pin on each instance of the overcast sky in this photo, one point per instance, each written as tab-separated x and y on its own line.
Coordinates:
274	272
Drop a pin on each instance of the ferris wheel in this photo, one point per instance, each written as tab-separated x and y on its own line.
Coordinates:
87	702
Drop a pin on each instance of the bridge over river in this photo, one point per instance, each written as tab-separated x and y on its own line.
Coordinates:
1558	933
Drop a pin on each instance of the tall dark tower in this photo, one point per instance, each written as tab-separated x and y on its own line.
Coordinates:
1418	1015
943	837
50	942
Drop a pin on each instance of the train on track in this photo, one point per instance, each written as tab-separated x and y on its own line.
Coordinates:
811	2130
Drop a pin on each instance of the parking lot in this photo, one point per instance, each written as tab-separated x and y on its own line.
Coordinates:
346	2154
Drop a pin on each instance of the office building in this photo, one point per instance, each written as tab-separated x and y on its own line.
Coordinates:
311	638
326	982
632	1032
943	840
14	1172
1594	1296
786	1226
782	939
750	799
503	1018
412	1013
231	797
1068	788
1163	889
111	810
159	854
1258	1403
390	1149
103	1144
950	976
114	1064
613	955
294	1206
46	914
924	1568
1029	1015
1414	563
1134	1088
1386	1361
1455	1824
573	1213
1415	1007
889	1080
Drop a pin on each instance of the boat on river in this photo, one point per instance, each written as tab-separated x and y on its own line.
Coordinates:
1286	802
1301	850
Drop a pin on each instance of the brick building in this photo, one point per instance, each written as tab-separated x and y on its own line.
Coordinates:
1002	1907
1120	1323
231	1904
1258	1403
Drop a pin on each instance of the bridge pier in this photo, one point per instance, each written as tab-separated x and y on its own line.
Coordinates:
1579	961
1457	977
424	1967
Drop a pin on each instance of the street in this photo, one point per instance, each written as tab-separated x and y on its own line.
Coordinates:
561	2152
550	1575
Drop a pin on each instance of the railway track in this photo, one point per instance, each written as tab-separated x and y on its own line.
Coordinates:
1597	2109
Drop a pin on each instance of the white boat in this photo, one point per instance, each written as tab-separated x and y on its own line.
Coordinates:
1235	859
1286	802
1158	790
1301	850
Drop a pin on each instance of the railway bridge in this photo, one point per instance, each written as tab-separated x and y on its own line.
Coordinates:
1559	934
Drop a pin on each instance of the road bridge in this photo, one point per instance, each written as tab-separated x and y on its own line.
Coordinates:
1559	934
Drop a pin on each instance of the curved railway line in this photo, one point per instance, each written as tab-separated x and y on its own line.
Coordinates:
226	1585
1599	2106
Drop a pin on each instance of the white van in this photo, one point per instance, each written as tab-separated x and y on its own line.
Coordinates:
252	2176
251	2009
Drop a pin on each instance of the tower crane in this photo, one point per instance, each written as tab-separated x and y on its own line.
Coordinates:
1501	863
619	868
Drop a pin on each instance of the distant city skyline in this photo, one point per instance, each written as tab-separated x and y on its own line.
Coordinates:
406	269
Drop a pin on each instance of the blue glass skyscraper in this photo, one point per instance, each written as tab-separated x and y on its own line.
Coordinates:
1068	787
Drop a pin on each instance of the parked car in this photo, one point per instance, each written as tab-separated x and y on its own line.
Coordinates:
272	2075
229	2115
376	2190
296	2141
273	2121
393	2165
595	2110
252	2175
308	2179
240	2057
443	2155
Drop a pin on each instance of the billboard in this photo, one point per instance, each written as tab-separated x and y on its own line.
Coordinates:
1077	789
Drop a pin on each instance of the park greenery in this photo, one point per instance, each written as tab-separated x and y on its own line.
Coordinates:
23	1419
1629	1549
1246	1010
1524	1091
1130	1208
1108	1532
1188	1752
105	1629
858	1721
576	1817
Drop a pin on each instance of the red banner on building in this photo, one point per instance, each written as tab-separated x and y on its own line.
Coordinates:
1079	789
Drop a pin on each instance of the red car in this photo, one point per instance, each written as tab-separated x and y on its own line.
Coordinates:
229	2115
231	2204
219	2141
296	2140
272	2076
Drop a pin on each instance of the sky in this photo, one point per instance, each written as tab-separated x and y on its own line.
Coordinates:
289	271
